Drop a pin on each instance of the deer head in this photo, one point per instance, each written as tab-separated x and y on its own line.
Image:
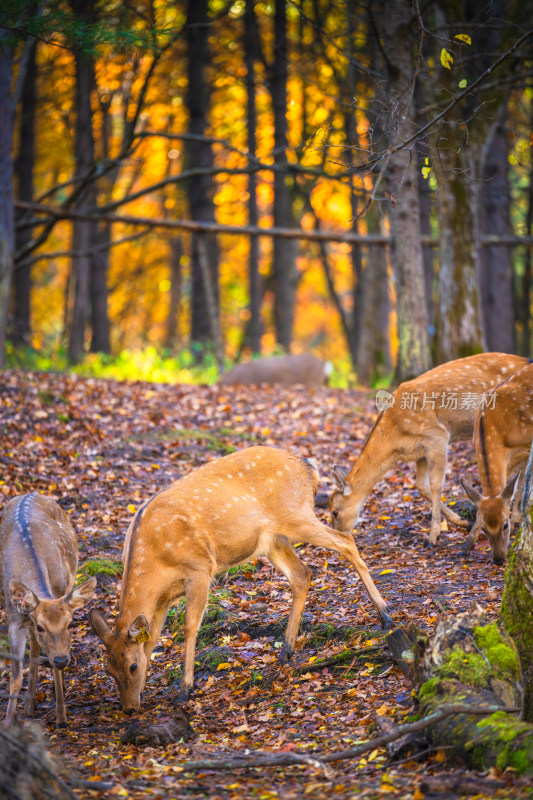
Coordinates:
343	513
494	515
52	619
127	661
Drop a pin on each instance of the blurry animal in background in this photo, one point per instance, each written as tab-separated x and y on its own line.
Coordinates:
304	369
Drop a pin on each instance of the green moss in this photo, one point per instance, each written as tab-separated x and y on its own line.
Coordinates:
469	668
428	690
501	655
102	566
506	728
517	759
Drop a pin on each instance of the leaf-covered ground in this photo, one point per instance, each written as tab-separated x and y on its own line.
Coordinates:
101	449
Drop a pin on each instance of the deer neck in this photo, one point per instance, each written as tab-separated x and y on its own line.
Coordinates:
491	465
375	459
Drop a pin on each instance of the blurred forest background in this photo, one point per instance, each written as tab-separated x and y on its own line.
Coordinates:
187	183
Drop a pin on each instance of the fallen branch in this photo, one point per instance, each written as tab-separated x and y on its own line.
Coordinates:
262	759
339	658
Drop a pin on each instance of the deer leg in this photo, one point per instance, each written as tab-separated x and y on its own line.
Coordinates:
196	593
59	687
422	484
299	576
473	536
436	467
17	645
314	532
32	678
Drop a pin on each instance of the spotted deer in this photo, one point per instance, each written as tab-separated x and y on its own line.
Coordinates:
39	559
252	503
503	432
424	415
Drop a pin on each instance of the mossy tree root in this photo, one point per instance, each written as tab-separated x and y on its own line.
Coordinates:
473	662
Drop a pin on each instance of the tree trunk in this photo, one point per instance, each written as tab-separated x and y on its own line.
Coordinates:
284	252
24	165
84	232
253	329
199	154
98	291
517	603
373	351
172	339
397	24
524	311
459	331
6	184
428	255
496	265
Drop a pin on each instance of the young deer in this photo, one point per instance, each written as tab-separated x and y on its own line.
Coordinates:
248	504
503	433
425	415
39	558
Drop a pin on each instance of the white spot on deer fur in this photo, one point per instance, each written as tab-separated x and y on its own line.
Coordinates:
279	472
239	474
229	475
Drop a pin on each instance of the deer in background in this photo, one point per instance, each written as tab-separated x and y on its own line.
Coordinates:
424	416
503	433
303	368
248	504
39	559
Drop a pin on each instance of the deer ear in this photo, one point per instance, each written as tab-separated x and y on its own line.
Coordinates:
24	600
511	487
472	493
339	476
99	625
139	630
79	596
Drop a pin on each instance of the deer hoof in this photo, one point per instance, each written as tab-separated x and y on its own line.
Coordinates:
61	725
184	693
285	654
386	621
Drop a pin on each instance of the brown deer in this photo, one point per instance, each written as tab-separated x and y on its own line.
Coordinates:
424	415
248	504
303	368
503	433
39	559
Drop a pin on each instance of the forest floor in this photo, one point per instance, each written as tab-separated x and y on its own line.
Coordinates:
101	449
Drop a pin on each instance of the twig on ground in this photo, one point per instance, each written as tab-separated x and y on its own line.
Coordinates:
339	658
262	759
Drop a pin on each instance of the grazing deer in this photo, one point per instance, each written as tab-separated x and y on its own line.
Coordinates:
503	433
423	416
39	559
251	503
304	368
